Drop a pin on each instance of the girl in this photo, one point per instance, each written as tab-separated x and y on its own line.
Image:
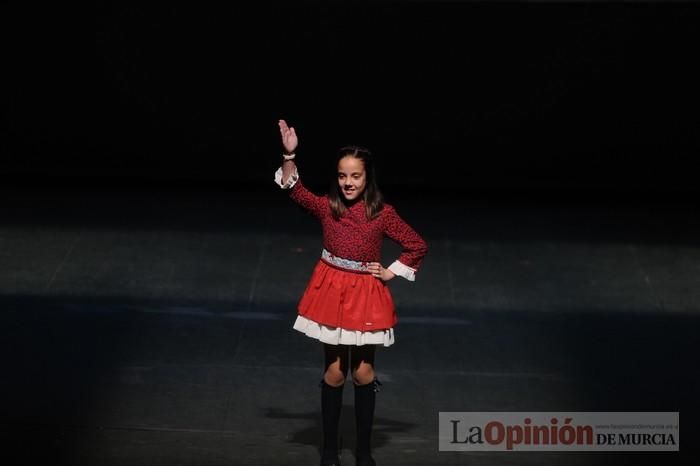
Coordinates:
347	305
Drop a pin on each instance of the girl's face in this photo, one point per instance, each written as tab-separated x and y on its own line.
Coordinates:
352	178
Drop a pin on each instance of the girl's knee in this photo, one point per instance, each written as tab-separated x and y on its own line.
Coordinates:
363	374
334	377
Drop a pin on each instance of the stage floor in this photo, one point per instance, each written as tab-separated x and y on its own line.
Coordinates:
154	327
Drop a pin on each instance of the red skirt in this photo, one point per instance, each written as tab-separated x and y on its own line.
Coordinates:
351	300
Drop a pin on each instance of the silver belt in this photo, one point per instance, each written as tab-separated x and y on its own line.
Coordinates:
348	264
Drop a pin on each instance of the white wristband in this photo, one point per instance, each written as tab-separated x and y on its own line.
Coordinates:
290	156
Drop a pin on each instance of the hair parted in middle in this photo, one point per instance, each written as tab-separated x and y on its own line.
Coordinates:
374	200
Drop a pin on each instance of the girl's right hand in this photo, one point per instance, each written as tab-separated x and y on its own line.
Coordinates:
289	137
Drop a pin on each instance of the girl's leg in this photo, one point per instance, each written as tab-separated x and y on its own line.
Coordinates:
336	364
366	387
336	368
362	362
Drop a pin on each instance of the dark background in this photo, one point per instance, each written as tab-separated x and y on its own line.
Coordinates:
550	96
146	296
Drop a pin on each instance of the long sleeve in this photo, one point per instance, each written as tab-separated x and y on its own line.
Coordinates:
316	205
414	247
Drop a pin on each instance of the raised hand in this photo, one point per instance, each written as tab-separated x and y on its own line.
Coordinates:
289	137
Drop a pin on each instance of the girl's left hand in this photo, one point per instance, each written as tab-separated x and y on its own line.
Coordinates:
380	272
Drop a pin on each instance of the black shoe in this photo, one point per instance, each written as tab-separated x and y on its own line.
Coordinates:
369	461
330	459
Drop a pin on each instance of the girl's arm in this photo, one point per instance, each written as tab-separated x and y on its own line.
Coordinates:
287	176
288	179
289	168
414	247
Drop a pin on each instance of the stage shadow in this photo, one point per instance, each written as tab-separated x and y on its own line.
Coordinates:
383	430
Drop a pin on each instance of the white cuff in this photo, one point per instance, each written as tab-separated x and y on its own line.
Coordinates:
403	270
290	182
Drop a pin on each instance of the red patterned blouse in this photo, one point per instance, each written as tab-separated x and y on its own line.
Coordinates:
356	238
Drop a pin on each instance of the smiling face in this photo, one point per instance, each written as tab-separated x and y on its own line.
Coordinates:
352	177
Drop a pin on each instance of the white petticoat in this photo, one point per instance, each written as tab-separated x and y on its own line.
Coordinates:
342	336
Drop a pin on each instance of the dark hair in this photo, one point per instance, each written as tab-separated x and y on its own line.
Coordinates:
374	201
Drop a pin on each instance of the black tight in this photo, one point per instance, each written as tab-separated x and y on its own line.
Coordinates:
340	358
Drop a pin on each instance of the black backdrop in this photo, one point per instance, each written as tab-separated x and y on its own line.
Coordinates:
472	95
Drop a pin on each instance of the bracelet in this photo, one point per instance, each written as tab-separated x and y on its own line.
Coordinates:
289	156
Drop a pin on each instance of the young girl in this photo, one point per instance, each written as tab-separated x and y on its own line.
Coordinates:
347	304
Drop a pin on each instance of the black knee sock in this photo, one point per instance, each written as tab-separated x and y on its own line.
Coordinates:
331	405
365	396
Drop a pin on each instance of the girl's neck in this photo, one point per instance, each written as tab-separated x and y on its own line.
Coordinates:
352	202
